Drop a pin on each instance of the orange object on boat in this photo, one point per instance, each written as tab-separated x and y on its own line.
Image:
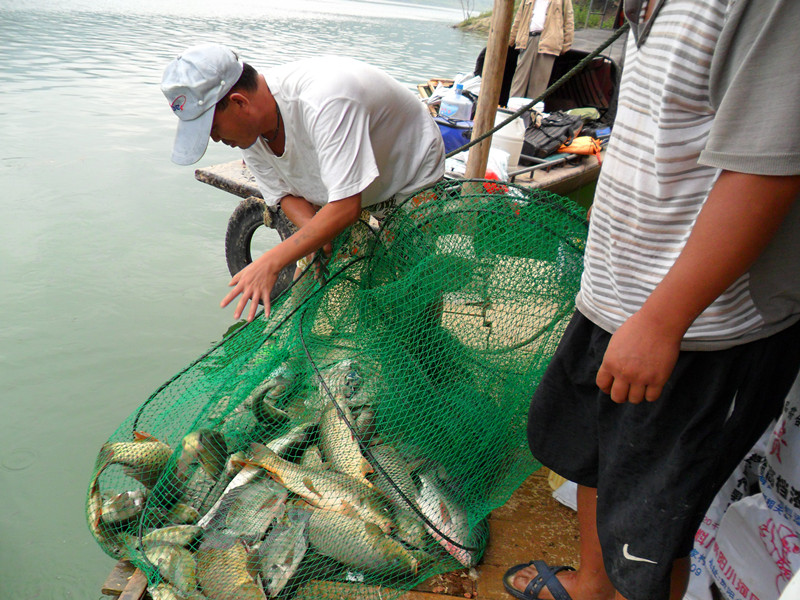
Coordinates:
583	144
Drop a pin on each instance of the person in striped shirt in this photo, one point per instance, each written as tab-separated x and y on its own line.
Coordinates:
686	337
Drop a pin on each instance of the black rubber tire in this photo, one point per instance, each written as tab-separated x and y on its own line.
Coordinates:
242	225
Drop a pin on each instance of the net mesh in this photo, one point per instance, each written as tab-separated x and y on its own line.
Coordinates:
354	443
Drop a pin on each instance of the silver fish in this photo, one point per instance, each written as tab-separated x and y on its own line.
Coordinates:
223	574
328	489
123	507
210	496
254	508
177	535
339	445
175	564
366	393
294	437
283	550
245	473
341	379
448	519
392	468
359	544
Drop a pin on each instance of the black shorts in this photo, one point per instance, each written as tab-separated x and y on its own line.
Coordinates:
656	465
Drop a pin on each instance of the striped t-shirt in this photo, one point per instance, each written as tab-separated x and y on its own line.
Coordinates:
707	85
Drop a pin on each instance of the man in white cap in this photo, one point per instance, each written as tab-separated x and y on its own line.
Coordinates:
324	138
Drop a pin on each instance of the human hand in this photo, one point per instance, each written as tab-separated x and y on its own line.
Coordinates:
254	283
638	361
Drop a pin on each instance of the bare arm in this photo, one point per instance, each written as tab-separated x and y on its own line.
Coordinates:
256	280
738	220
298	210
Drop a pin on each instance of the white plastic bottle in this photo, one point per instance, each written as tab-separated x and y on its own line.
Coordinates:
455	106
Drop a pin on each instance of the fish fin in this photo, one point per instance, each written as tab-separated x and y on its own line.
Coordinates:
372	529
104	457
142	436
310	487
445	513
349	510
366	467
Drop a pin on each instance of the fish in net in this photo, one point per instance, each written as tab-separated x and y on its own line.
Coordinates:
353	443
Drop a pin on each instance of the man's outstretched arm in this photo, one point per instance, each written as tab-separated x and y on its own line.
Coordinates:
255	282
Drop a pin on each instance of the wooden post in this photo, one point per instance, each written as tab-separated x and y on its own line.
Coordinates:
491	81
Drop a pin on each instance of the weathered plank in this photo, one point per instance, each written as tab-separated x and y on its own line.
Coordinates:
125	581
136	588
118	578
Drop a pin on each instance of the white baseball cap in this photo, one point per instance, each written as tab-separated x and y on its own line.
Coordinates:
193	84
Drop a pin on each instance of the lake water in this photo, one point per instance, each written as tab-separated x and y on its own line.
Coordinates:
111	257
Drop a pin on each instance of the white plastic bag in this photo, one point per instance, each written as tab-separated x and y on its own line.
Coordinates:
496	166
757	548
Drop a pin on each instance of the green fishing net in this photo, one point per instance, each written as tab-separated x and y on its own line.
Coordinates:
353	443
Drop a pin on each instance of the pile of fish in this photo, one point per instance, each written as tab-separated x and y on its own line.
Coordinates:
325	497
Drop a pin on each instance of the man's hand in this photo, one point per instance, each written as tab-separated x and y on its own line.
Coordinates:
638	361
739	219
254	283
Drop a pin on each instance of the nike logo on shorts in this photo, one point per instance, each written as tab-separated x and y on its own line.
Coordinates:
630	556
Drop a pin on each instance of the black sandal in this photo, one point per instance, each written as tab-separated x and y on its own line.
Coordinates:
545	578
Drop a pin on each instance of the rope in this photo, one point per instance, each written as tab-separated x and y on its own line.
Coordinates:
567	76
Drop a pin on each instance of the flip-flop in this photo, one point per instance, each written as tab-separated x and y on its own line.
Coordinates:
545	578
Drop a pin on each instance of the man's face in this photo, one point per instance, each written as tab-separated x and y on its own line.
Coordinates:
232	127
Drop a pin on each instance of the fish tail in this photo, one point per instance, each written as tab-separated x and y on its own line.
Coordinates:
265	464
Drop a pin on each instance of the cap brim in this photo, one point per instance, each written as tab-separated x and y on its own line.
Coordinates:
191	140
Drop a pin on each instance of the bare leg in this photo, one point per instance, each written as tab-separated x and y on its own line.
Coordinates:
591	582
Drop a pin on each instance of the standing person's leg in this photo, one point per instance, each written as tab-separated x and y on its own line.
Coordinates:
533	71
590	582
522	74
540	74
656	465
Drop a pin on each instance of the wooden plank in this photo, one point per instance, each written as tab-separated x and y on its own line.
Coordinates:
136	588
118	578
358	591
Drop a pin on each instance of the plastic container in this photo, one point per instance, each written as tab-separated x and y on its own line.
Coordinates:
510	138
455	106
516	103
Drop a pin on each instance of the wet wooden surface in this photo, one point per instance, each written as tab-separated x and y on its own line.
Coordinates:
531	525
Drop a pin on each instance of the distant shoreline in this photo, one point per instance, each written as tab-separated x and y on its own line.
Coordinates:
479	24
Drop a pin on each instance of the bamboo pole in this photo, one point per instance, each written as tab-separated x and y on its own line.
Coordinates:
491	81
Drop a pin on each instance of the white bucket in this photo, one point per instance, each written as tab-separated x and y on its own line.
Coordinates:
516	103
509	138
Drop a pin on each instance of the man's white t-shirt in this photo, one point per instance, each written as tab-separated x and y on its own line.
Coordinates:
350	128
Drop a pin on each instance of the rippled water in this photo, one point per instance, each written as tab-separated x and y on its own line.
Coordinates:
111	257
